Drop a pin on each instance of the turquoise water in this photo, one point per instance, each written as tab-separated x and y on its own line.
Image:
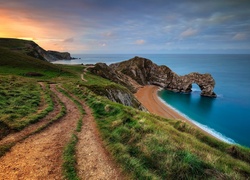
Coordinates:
227	116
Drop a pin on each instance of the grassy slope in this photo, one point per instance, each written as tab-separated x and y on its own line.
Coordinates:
150	147
147	146
21	46
12	43
15	63
20	96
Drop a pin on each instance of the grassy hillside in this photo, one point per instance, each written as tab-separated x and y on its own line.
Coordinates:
151	147
20	64
15	44
145	145
25	47
22	102
21	97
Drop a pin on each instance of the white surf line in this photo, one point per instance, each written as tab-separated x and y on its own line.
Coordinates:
209	130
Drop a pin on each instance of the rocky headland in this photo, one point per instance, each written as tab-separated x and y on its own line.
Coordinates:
138	72
32	49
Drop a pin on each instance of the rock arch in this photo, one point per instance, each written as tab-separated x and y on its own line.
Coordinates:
139	71
184	83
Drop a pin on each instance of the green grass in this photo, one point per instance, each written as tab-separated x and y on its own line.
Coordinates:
145	145
79	106
5	148
13	43
57	117
74	69
96	80
151	147
15	63
69	159
20	100
154	149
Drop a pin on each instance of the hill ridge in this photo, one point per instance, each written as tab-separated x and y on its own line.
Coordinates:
32	49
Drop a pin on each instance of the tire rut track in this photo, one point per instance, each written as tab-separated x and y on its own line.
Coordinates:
93	160
40	156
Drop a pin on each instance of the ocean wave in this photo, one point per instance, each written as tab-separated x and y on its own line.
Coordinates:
206	128
220	95
196	90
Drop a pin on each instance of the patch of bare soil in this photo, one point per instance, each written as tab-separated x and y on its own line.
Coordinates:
93	160
40	156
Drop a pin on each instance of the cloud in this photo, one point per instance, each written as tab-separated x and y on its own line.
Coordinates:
102	26
102	44
69	40
108	34
240	36
140	42
189	32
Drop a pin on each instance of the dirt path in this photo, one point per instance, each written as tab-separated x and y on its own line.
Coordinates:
40	156
84	72
93	160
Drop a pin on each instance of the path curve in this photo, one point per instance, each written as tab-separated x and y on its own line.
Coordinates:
40	156
84	72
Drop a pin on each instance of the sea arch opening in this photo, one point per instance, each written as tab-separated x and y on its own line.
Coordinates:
195	87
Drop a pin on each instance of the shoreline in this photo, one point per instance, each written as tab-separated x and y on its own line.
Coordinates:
148	97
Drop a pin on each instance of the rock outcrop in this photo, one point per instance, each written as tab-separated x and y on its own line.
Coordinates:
125	98
139	71
55	55
108	72
184	83
32	49
117	94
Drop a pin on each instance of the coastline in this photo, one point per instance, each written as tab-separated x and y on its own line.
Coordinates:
147	95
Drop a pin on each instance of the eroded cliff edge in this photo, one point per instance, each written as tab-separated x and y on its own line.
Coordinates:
138	71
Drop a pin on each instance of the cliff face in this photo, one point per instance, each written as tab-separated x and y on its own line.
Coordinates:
55	55
32	49
124	98
138	71
117	94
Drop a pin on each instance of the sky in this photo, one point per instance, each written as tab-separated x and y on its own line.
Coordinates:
130	26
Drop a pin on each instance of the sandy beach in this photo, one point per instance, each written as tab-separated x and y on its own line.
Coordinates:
147	95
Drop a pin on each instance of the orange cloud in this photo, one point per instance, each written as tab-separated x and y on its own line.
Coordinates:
48	33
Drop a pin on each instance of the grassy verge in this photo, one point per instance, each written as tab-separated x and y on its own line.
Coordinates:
54	119
151	147
5	148
154	149
20	101
69	159
15	63
79	106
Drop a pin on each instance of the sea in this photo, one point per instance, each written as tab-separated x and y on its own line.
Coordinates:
226	117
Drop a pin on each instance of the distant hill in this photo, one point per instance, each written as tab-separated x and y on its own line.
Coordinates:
32	49
14	62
